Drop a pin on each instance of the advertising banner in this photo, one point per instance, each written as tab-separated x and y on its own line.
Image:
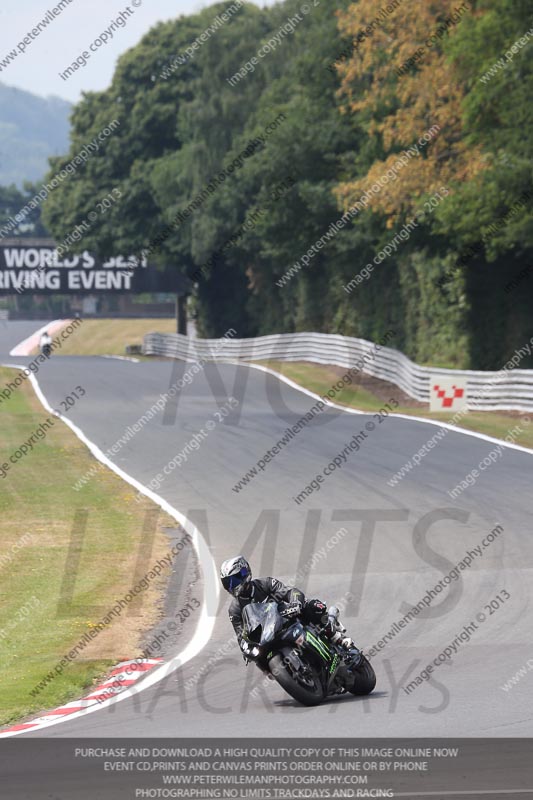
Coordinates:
39	269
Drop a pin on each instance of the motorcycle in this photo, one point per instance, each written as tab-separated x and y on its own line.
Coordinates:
304	663
46	350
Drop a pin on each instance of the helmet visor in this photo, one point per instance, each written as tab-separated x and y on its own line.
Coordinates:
231	582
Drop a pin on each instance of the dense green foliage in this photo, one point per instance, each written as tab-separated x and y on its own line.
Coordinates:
12	202
182	127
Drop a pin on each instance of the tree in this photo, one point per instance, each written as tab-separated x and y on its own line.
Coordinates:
15	203
400	82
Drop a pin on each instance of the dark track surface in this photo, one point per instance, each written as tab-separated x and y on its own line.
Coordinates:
11	333
264	522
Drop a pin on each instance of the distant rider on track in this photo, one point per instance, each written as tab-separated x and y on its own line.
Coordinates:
45	343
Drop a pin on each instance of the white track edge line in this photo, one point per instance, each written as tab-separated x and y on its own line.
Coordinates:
424	420
123	358
211	591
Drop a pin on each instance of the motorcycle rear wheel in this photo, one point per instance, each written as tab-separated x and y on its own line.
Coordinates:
310	694
365	678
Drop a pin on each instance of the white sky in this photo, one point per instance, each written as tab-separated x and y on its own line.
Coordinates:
68	35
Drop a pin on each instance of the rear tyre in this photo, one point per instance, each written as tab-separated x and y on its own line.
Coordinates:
365	677
306	688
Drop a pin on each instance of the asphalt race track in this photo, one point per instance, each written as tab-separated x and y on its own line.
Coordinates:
398	543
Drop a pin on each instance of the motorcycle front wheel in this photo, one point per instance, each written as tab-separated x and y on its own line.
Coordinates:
305	687
365	677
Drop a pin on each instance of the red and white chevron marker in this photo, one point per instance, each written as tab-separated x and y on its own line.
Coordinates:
121	677
447	393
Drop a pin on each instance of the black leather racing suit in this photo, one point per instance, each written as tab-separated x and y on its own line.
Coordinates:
262	589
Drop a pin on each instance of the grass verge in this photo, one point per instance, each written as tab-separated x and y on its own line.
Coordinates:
38	509
109	337
319	378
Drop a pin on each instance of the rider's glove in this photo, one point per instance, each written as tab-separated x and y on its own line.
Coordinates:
292	609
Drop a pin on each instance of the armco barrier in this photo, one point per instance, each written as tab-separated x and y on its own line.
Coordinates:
510	390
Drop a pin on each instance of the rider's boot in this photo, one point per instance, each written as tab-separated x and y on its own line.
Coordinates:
339	637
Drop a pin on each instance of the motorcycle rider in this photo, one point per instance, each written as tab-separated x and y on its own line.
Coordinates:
45	342
236	577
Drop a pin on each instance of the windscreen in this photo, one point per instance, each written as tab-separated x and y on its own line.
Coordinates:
260	621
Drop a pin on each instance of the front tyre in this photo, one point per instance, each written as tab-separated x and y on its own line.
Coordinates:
365	677
304	686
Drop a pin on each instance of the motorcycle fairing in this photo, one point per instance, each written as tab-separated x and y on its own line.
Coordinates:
261	622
